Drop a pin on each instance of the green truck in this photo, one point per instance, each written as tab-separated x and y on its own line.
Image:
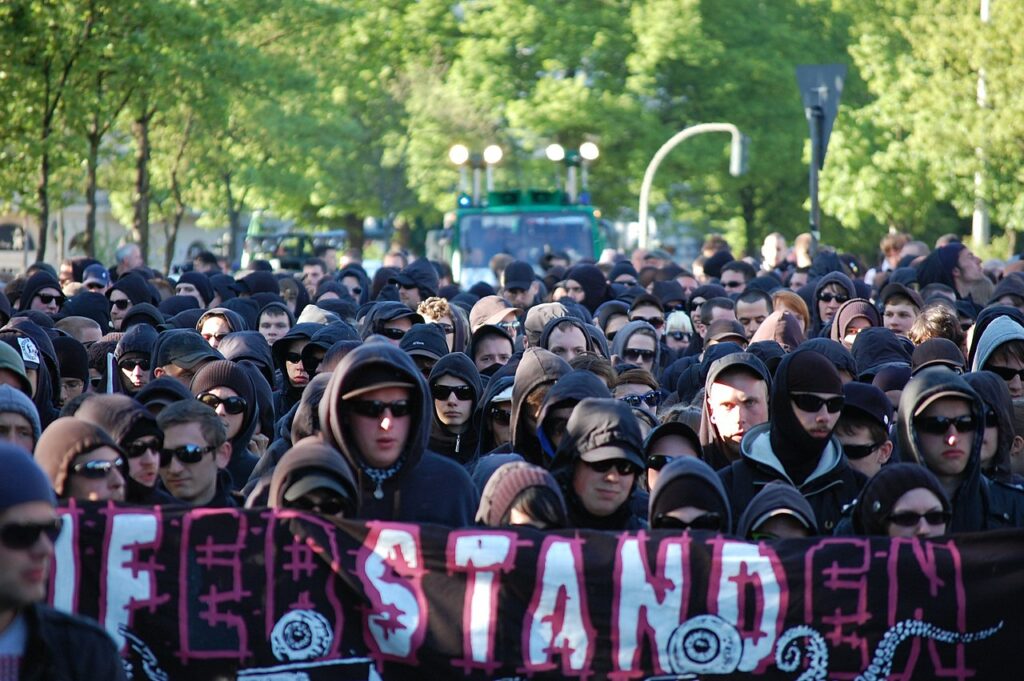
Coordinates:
526	224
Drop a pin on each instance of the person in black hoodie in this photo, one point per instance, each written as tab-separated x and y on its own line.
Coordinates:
778	511
735	400
134	353
494	414
36	350
559	403
536	373
42	292
689	496
587	285
455	391
797	444
598	463
1000	442
130	289
376	411
416	282
939	423
135	431
287	353
227	388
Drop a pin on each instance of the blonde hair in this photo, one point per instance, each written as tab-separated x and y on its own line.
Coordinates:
678	321
434	309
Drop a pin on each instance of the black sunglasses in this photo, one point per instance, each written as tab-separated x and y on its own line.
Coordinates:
860	451
939	425
293	357
20	536
651	399
732	284
187	454
501	416
232	405
679	335
96	383
131	364
393	334
656	462
375	408
813	403
705	521
656	322
122	304
140	447
829	297
621	466
97	469
1006	373
911	518
47	298
637	355
331	506
215	336
441	392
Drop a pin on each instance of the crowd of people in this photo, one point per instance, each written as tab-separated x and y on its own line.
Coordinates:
796	395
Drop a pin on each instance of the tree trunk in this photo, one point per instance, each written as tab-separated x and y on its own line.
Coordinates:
356	237
140	222
89	236
401	238
749	208
235	236
43	196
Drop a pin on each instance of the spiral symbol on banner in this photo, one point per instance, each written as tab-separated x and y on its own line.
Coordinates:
301	635
706	645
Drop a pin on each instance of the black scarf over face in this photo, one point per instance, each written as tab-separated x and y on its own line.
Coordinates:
803	371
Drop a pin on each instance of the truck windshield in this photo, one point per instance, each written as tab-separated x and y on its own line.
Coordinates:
525	236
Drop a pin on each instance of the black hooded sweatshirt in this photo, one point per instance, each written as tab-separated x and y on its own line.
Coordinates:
875	349
225	373
427	487
670	492
773	497
715	451
460	447
288	394
996	396
48	381
597	423
595	287
568	391
486	443
978	503
536	368
782	450
818	325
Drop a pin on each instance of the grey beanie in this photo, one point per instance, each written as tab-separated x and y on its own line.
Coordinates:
16	402
21	479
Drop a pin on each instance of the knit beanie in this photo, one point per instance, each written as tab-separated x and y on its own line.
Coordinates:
90	305
810	372
949	255
225	373
201	283
72	357
21	479
36	283
506	484
880	494
714	264
14	401
687	490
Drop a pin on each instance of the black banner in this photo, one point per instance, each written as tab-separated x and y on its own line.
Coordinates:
264	595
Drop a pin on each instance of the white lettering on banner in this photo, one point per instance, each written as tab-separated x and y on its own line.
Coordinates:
747	573
647	602
482	556
64	589
391	571
129	582
557	621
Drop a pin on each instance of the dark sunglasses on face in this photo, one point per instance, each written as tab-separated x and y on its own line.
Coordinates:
732	284
638	355
215	336
1006	373
813	403
939	425
408	287
651	399
187	454
293	357
911	518
122	304
140	447
441	392
678	335
393	334
375	408
829	297
96	383
331	506
131	364
447	328
706	521
46	299
20	536
232	405
678	307
860	451
621	466
355	291
656	322
97	469
511	327
656	462
501	416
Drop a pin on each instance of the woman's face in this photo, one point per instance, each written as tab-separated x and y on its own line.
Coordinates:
913	505
829	300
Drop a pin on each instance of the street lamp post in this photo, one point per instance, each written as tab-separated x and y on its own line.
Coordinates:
737	164
573	159
461	156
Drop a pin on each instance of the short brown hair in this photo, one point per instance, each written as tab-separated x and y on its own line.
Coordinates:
937	320
595	364
638	376
194	411
792	301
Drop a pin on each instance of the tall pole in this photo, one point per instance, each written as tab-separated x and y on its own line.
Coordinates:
815	115
652	167
980	227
